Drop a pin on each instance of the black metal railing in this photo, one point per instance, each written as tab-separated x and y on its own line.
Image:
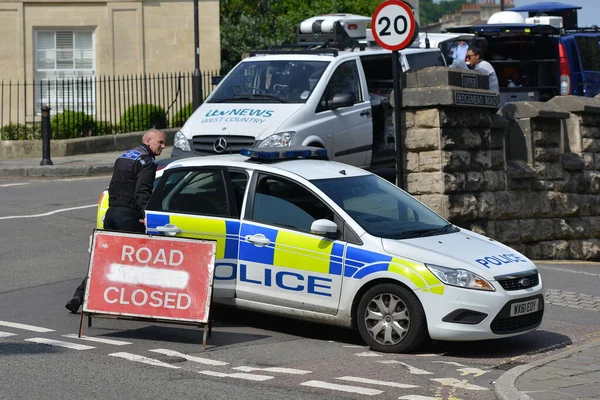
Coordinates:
100	105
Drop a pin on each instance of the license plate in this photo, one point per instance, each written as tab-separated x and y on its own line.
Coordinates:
524	307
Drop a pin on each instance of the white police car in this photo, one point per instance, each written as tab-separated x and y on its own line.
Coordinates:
327	242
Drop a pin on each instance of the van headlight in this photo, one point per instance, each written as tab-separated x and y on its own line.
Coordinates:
460	278
181	142
278	140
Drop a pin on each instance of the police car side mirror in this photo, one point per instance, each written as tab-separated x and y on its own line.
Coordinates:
324	227
341	100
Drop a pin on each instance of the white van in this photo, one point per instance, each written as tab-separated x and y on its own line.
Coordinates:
311	95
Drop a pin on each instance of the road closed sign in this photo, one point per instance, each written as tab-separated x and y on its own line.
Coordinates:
393	25
136	275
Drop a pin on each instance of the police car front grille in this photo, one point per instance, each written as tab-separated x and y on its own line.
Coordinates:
205	145
517	324
517	282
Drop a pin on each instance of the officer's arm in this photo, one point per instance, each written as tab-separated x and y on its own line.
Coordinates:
145	180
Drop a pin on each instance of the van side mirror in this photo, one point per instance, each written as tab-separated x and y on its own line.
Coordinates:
324	227
341	100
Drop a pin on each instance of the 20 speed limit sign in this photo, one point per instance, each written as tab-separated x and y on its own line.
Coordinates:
393	25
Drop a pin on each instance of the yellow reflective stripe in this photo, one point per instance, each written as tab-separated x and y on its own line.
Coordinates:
102	207
297	251
202	228
417	273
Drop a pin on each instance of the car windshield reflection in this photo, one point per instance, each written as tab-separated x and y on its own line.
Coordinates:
382	209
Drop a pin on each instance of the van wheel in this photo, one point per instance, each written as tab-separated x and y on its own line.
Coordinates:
391	319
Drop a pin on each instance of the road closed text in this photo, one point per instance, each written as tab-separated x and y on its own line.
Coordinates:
141	298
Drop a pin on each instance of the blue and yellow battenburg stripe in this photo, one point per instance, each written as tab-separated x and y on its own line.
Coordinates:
296	251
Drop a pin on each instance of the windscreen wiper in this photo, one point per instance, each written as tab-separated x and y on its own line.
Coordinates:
249	97
425	232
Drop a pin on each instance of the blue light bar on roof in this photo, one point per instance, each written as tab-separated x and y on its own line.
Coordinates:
284	153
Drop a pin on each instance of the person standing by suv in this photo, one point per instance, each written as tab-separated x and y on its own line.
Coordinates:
129	190
474	60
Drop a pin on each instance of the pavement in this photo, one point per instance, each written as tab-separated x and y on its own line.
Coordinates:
65	167
571	374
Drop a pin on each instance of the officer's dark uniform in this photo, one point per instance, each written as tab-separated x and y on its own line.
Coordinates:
129	190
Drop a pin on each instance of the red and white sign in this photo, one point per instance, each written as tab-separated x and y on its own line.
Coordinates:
393	25
160	277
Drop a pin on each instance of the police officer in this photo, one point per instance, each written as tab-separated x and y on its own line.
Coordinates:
129	190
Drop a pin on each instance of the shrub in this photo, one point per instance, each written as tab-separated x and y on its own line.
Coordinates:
179	119
72	124
141	117
20	132
106	128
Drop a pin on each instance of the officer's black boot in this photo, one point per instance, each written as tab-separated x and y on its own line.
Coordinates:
74	304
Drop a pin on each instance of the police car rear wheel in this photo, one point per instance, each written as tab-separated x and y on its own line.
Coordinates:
391	319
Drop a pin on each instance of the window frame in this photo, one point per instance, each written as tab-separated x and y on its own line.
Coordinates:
359	99
155	202
345	233
54	84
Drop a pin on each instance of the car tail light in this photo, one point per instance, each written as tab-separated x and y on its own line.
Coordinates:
565	71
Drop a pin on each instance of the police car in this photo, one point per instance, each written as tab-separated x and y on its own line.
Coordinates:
303	237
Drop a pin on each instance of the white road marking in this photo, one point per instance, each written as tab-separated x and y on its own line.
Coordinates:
464	384
274	369
449	363
237	375
142	359
60	343
411	369
25	327
375	382
199	360
471	371
6	334
96	339
14	184
417	397
368	354
568	270
49	212
342	388
429	355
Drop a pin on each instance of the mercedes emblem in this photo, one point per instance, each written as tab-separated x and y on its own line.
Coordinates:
220	145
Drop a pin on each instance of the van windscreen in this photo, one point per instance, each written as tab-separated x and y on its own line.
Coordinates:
270	81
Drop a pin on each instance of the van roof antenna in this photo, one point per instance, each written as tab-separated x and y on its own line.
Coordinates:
427	44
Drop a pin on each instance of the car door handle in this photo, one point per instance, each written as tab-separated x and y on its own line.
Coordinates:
169	229
259	240
365	113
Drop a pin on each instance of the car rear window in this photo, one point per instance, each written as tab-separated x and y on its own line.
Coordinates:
589	51
425	59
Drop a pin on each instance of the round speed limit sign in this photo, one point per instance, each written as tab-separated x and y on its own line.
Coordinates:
393	25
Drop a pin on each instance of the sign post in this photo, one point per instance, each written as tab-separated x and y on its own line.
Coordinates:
394	28
143	277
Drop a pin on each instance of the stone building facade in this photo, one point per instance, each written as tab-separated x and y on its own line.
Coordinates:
527	175
48	39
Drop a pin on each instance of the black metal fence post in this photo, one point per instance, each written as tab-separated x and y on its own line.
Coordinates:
46	135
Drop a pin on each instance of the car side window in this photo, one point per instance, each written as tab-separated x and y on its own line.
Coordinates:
200	192
345	79
278	201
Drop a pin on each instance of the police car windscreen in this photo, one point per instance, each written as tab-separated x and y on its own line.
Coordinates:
382	209
270	81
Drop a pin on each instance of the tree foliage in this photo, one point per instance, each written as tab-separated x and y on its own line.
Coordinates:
257	24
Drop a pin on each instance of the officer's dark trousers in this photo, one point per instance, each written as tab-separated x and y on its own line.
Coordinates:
117	219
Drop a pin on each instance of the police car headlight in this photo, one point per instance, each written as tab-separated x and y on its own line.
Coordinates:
460	278
181	142
278	140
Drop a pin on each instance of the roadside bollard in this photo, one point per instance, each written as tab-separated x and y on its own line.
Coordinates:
46	135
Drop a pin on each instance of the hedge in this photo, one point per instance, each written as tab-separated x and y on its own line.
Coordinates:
141	117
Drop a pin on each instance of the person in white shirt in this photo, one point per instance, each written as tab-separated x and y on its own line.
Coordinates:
474	60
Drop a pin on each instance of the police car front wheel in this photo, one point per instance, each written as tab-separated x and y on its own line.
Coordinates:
391	319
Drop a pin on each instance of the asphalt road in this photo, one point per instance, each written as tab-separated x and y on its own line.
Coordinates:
44	231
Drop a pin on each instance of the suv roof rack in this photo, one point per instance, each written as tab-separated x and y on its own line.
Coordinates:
333	52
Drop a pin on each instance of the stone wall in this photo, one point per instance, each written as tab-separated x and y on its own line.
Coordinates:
527	175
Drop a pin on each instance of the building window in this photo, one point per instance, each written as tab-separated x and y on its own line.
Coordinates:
64	70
